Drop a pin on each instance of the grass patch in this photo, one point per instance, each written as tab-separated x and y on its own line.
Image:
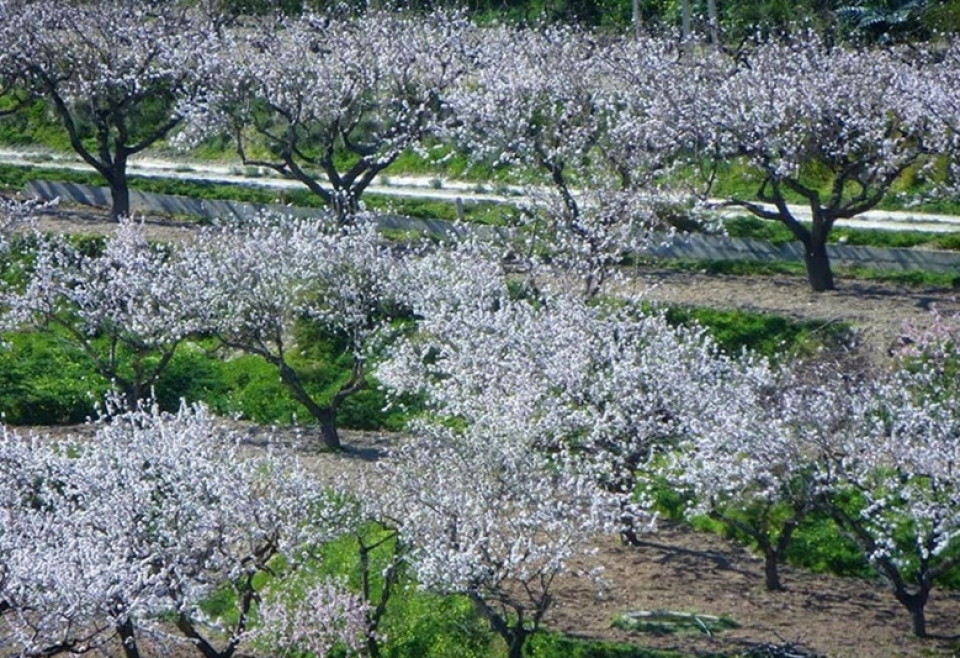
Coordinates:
547	644
45	380
916	278
769	335
776	233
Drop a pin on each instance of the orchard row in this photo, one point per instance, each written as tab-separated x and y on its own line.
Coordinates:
604	127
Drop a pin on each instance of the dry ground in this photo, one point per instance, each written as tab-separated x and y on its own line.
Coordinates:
677	569
681	570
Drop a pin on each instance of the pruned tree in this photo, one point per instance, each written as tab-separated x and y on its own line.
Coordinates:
543	102
757	456
125	303
824	126
902	468
118	75
260	283
330	100
108	536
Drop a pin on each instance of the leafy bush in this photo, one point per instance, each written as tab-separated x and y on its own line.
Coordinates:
192	376
43	381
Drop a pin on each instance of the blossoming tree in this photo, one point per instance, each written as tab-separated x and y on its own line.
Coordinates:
106	536
259	282
126	304
825	126
330	100
117	74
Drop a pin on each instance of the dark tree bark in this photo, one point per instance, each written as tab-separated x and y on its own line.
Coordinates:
774	550
514	634
817	261
325	415
128	638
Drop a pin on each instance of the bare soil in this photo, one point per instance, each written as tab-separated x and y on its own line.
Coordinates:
682	570
679	569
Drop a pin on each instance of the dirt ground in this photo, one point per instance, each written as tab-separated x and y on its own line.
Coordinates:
678	569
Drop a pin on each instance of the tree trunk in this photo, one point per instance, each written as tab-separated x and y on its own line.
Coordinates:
326	416
128	639
517	642
771	571
919	620
120	192
686	19
328	429
714	19
915	604
817	261
514	635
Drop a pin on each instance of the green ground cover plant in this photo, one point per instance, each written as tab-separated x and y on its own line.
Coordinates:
917	278
767	335
777	233
45	381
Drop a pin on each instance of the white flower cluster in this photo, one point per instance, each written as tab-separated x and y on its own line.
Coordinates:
104	535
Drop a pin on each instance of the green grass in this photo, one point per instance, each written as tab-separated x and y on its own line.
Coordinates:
917	278
46	380
768	335
555	645
777	233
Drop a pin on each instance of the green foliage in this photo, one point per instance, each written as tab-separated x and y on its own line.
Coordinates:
769	335
14	177
46	381
758	229
33	125
818	545
417	623
192	376
555	645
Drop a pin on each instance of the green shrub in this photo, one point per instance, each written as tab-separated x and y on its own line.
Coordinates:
192	375
818	545
45	381
417	624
